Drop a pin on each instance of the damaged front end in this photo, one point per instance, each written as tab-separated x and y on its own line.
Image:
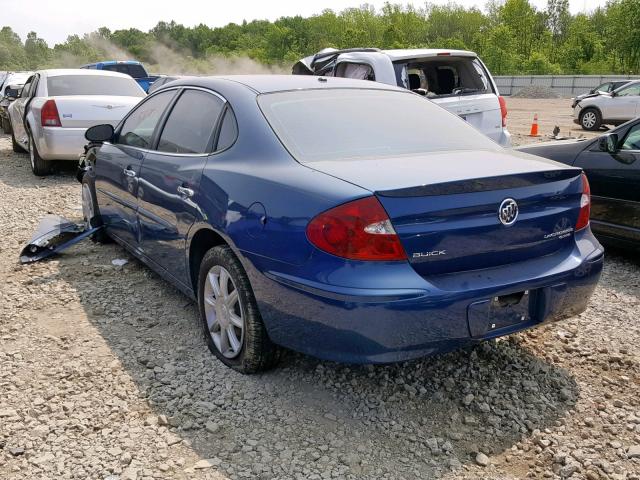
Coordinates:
53	235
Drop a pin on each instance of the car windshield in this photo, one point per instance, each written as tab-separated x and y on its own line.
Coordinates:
341	124
15	79
93	85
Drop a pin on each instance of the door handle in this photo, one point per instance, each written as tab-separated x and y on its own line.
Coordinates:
185	192
129	173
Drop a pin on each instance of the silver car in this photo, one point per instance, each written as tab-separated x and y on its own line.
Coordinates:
57	106
14	79
612	108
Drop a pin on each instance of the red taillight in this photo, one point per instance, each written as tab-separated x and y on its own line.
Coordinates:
443	54
585	205
503	110
49	114
358	230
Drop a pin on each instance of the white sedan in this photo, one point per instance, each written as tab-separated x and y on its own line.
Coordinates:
612	108
57	106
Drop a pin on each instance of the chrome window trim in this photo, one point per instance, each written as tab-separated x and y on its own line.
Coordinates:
158	152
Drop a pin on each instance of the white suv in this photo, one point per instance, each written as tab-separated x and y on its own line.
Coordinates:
612	108
454	79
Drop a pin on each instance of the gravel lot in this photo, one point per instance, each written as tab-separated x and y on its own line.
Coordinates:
104	375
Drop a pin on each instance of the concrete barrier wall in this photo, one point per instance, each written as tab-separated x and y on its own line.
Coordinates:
565	85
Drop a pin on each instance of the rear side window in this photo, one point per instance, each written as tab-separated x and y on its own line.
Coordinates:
191	123
228	130
137	130
365	124
93	85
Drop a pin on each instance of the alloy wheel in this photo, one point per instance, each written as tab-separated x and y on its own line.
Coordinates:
224	312
588	119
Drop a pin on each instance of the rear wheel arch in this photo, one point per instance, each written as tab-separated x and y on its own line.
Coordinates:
201	242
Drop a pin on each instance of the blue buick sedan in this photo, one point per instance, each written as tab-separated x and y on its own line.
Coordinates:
349	220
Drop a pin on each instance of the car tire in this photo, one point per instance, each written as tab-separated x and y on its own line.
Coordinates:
232	325
590	119
6	126
39	166
90	209
15	145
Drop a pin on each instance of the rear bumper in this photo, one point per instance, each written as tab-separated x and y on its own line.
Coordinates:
505	138
58	143
382	322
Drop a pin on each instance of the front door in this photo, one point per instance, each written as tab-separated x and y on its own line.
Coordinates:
118	168
18	108
168	194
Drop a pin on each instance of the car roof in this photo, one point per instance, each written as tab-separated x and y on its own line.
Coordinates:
407	54
280	83
56	72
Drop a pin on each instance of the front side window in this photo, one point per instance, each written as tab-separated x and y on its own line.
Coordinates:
138	128
26	90
632	140
365	124
191	123
358	71
632	91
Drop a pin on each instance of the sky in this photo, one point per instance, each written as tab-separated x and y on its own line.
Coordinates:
54	20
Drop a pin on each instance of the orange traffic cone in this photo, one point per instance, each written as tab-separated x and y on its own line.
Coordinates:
534	127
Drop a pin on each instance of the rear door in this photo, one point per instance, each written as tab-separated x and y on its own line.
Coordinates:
118	167
615	186
169	184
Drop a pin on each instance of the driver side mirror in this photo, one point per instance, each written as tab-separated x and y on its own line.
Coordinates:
608	143
99	133
13	91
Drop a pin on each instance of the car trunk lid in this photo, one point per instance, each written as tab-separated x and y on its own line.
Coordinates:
445	207
84	111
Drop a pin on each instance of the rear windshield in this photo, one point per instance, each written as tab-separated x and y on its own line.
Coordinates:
133	69
344	124
444	75
93	85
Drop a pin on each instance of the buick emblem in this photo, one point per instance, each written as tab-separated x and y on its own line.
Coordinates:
508	211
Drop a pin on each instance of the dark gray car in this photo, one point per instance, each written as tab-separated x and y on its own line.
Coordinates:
612	165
